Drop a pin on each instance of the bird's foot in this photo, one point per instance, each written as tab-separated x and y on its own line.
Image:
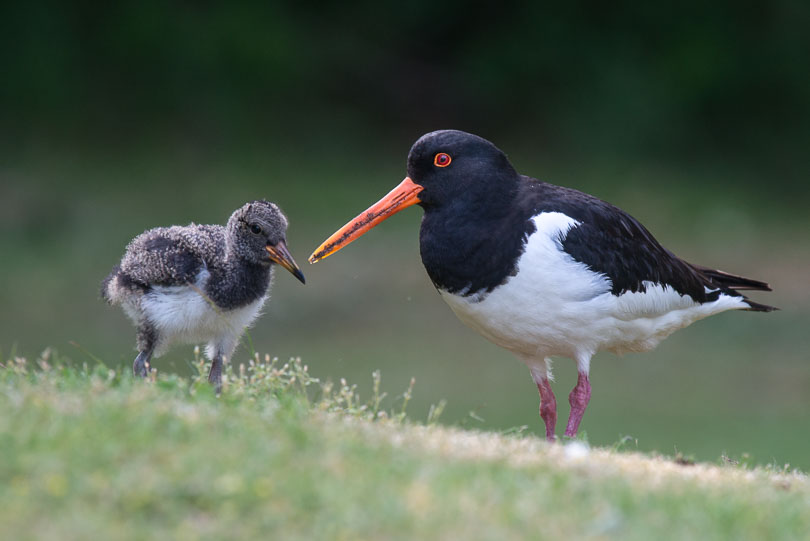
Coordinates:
579	398
215	375
141	365
548	408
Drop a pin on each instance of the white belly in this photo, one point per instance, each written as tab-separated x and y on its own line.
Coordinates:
182	314
557	306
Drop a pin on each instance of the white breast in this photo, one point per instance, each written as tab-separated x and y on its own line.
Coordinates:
557	306
183	314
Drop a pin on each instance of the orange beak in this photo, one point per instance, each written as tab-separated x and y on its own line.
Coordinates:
401	197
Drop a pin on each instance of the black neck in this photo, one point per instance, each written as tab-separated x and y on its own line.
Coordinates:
237	283
471	249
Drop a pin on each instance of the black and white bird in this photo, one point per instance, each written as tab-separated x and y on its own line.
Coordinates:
200	283
543	270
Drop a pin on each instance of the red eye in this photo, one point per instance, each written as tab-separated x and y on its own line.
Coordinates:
442	160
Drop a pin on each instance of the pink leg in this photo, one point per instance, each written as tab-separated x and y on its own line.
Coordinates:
579	398
548	407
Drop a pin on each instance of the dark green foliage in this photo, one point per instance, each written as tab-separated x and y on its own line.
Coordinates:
686	80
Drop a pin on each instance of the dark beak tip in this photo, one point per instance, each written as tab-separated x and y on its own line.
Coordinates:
280	255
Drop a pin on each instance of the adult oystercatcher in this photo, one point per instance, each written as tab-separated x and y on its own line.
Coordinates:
543	270
200	283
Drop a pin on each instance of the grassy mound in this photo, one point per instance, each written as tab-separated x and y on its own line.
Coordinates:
93	454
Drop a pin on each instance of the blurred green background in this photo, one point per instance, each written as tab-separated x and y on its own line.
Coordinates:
695	118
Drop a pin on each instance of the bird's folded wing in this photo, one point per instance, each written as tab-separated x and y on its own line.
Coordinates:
158	258
613	243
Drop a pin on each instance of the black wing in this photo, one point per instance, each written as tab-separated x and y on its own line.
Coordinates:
613	243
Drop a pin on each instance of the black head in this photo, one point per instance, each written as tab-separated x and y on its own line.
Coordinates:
447	169
257	233
452	165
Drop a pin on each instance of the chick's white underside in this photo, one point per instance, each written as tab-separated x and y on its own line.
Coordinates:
185	315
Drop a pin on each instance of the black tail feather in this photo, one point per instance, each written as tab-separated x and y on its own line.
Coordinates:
731	281
757	307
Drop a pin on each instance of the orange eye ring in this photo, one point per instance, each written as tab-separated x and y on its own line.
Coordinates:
442	159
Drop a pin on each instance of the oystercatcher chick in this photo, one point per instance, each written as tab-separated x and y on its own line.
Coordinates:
543	270
200	283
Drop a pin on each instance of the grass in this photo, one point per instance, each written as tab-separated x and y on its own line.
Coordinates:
91	453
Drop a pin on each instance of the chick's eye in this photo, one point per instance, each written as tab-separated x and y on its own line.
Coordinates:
442	160
255	229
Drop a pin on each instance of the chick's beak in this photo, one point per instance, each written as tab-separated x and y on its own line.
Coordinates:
401	197
281	255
